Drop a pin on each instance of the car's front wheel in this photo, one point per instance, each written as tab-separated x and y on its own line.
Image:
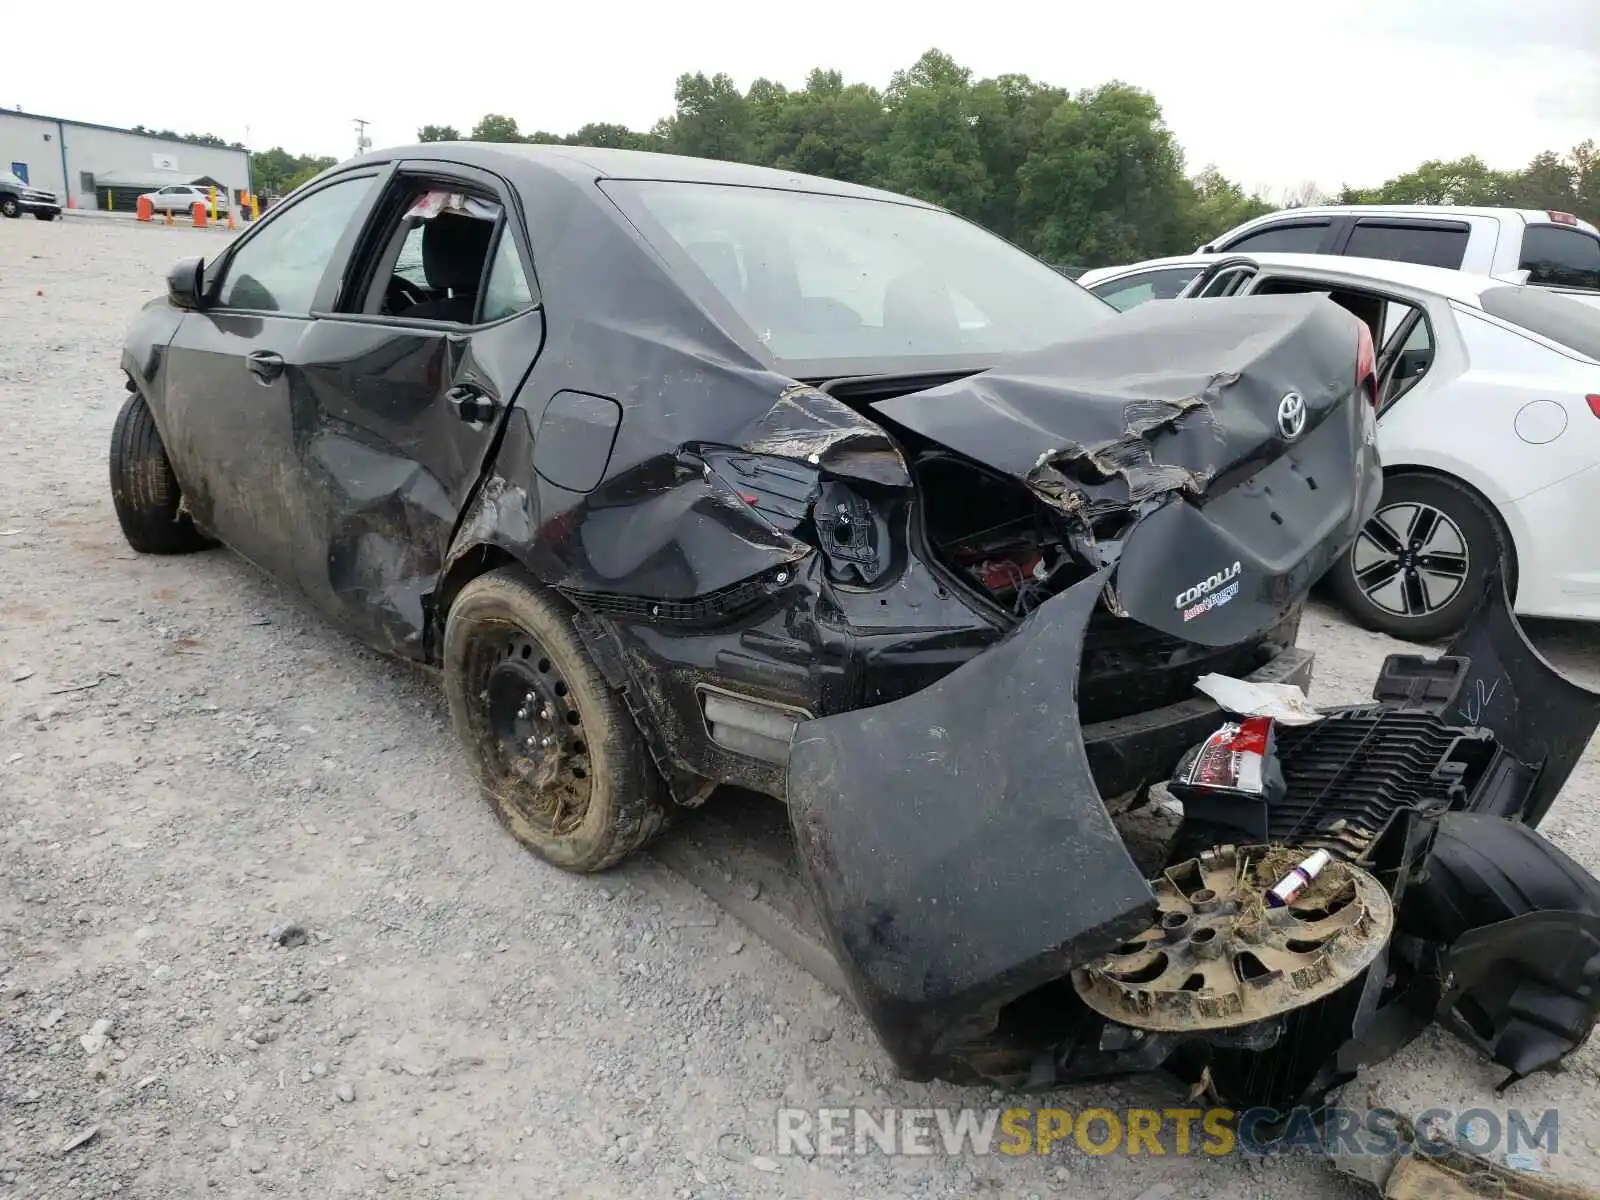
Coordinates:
1420	564
45	216
144	490
10	207
555	750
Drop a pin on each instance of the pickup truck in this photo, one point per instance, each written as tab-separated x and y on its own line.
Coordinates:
18	197
1556	249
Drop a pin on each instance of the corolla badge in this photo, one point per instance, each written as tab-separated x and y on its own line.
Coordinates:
1292	416
1212	592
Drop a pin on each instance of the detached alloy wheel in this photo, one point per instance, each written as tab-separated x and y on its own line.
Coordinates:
144	490
556	751
1419	565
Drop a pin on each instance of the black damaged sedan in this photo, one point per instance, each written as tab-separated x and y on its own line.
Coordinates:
658	458
685	473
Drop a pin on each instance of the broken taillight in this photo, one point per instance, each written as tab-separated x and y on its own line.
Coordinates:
1366	364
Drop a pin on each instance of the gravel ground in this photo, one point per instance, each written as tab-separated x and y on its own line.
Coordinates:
190	763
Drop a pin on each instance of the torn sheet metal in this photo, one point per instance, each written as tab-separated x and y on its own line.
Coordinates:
1283	702
946	838
1167	398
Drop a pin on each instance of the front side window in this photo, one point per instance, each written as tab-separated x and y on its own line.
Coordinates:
1436	245
1133	290
1561	256
279	268
1304	237
831	279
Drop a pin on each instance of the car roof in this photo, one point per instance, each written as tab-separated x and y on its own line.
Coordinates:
592	162
1533	216
1441	281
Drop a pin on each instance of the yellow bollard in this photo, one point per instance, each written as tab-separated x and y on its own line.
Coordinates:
255	207
213	203
108	199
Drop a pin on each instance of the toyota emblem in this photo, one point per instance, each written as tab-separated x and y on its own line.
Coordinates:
1292	416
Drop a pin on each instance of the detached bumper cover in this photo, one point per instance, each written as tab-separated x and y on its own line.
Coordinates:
955	844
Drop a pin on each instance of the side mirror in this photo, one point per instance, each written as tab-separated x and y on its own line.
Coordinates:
184	283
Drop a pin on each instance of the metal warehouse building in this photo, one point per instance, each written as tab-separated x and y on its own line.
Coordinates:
89	165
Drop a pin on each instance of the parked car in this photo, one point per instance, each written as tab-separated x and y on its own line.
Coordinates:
182	197
18	197
1489	426
650	477
934	548
1556	249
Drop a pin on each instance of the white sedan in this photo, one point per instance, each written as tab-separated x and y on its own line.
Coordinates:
1489	427
182	197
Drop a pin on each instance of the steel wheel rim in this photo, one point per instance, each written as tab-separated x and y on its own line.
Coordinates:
1410	560
534	736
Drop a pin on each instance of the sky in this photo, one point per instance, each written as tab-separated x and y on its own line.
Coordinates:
1276	95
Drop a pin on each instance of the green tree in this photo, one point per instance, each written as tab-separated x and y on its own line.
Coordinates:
495	128
1106	184
1218	204
712	119
826	129
438	133
611	137
930	147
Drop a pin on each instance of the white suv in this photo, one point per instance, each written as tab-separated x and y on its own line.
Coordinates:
1555	248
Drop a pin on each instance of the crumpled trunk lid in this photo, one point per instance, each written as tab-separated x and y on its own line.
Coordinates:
1220	454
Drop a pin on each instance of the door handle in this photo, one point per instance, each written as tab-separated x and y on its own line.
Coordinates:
264	365
473	405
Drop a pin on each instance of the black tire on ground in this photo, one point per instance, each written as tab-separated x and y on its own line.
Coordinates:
1419	566
555	750
10	207
46	216
144	490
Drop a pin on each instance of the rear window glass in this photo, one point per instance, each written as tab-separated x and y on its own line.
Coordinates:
1301	238
1560	256
821	279
1430	245
1567	321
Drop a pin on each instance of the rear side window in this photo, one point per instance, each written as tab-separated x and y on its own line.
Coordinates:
1560	256
1300	237
1563	319
1432	245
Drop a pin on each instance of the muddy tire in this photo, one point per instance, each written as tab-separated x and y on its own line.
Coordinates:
555	750
144	490
1419	567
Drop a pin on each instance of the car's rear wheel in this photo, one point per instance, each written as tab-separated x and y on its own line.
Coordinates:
144	490
554	747
10	207
1420	564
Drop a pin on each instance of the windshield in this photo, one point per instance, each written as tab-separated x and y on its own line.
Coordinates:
825	280
8	178
1563	319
